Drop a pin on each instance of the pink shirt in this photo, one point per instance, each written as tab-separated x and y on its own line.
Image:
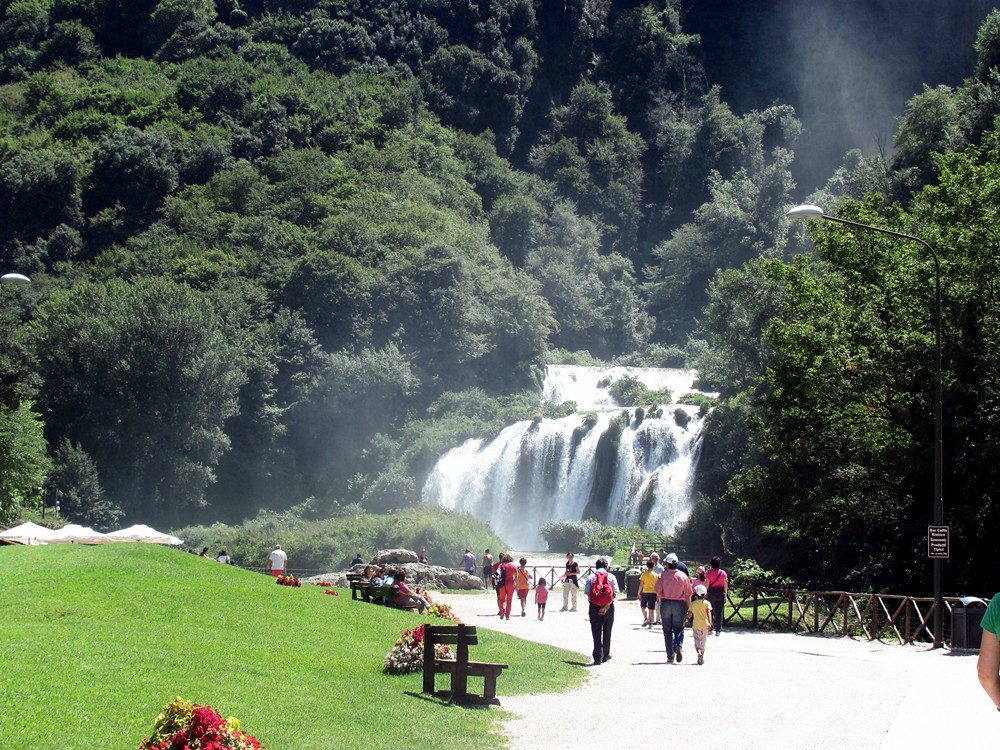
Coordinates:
674	584
541	595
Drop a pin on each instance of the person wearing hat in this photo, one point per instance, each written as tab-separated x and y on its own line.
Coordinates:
680	566
701	620
277	561
673	595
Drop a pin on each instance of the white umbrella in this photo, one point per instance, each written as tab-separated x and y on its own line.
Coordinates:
142	533
74	533
28	533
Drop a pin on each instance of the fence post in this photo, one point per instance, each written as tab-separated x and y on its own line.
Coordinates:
876	602
755	590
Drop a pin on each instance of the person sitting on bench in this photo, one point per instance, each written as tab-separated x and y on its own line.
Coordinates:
406	596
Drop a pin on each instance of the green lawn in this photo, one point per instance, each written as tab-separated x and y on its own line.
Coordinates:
97	639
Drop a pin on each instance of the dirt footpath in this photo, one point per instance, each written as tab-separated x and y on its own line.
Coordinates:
755	690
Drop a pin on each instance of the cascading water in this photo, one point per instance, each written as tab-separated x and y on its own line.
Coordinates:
588	465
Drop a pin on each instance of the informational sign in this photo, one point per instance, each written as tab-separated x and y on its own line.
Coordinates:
938	541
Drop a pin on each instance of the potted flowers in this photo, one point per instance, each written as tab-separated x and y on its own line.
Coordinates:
184	725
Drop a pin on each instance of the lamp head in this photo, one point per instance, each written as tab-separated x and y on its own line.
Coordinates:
15	278
805	212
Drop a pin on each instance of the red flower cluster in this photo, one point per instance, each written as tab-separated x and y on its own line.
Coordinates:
288	580
332	591
205	730
324	584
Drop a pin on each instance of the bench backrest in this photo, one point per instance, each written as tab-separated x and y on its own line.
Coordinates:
451	634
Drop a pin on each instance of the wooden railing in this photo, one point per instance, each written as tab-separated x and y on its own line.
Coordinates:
888	618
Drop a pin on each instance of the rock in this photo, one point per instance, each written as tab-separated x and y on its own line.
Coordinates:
395	557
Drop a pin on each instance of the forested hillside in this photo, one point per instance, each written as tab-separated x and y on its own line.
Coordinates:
287	253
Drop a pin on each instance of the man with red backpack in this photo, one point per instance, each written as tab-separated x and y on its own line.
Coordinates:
601	589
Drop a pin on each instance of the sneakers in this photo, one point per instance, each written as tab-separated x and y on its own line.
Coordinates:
680	656
670	660
701	659
563	609
717	633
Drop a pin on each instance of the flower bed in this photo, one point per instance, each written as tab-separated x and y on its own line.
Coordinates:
288	580
407	655
187	726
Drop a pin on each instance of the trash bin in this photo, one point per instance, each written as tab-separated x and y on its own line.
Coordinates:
967	623
619	574
632	584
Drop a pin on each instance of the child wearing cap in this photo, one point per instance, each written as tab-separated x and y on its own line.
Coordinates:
701	620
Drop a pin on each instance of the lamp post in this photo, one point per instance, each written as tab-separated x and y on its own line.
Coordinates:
807	212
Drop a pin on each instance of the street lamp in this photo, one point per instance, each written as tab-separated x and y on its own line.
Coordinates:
809	211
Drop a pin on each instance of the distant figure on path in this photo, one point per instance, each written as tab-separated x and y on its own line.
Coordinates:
277	561
487	567
523	583
673	592
541	597
469	561
717	583
601	589
647	594
424	559
658	569
358	560
701	620
509	574
571	582
988	666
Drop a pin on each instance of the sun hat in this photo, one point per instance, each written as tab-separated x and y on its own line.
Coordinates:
700	590
671	558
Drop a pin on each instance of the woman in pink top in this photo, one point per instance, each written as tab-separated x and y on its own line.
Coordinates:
717	583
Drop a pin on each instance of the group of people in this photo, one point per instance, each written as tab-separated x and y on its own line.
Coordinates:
668	597
222	557
402	595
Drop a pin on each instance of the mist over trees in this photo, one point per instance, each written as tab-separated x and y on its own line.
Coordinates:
285	254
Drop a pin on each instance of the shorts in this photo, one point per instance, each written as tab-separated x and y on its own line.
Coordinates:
541	606
522	594
277	573
647	601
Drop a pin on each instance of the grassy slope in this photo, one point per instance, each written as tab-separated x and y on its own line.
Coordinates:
98	639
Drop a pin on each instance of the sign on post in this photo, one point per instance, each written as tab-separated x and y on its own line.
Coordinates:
938	542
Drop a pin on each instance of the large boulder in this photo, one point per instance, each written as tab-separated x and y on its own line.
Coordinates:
395	557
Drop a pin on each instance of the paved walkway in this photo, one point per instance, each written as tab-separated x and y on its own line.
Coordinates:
755	690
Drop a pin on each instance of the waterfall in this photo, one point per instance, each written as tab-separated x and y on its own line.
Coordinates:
588	465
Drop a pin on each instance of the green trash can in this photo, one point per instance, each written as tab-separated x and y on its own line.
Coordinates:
967	623
632	584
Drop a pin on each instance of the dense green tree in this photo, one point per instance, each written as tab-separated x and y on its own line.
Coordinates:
142	378
24	460
74	482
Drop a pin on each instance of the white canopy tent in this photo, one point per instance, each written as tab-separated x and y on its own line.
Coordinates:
27	533
74	533
142	533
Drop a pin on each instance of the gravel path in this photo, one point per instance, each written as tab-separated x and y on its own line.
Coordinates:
755	690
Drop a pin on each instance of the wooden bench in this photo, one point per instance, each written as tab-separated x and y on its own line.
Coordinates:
460	669
378	594
359	587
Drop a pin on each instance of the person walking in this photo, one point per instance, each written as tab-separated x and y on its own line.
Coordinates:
647	594
673	594
277	561
541	597
523	584
701	620
571	582
601	589
658	569
487	567
508	574
717	583
988	665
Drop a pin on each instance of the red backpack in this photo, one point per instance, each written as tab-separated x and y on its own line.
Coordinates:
602	593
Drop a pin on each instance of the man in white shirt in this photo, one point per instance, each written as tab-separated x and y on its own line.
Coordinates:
276	561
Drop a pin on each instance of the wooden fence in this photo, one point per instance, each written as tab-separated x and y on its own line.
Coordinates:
888	618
